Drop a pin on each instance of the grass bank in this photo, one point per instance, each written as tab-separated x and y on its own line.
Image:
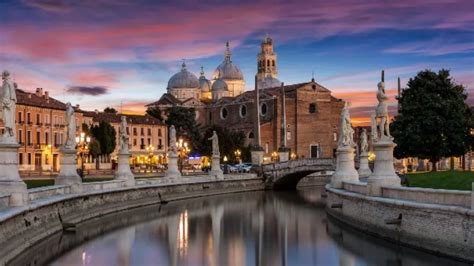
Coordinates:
459	180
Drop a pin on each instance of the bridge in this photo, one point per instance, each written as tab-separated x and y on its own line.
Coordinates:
286	175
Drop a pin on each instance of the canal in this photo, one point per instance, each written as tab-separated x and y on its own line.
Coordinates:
252	228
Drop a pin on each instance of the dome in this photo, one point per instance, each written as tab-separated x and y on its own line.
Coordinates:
227	70
183	79
219	85
268	82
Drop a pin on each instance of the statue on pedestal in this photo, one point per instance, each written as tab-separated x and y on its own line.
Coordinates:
173	147
364	145
346	138
215	144
8	108
70	143
123	135
381	122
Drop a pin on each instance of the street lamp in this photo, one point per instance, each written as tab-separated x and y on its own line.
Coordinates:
226	169
183	151
150	149
82	143
237	156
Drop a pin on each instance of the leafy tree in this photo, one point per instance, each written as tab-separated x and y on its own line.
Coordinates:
434	120
105	133
110	110
94	148
184	120
229	142
155	112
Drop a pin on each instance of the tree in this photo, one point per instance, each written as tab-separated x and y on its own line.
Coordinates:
105	133
184	120
229	142
155	112
110	110
94	145
434	120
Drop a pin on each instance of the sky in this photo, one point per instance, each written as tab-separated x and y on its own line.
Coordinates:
99	53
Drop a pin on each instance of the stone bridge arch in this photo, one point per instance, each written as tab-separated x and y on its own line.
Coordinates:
286	175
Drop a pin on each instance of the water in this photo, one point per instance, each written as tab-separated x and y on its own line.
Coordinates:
253	228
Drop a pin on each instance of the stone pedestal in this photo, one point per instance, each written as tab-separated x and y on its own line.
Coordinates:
384	172
283	154
257	157
216	171
10	181
472	197
345	167
123	170
173	170
68	174
364	170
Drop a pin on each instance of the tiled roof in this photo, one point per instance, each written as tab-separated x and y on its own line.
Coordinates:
165	99
33	99
116	118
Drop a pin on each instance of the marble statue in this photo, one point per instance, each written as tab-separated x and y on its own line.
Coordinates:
364	146
215	144
123	135
172	134
70	127
8	107
347	132
381	113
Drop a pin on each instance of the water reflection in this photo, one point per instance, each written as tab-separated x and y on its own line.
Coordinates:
256	228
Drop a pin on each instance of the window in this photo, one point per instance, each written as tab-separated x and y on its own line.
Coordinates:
38	119
46	119
55	141
38	137
20	136
142	131
312	108
29	158
134	142
314	151
160	143
224	113
210	116
268	62
28	118
159	132
263	109
273	62
134	131
20	158
149	141
149	131
251	136
46	138
20	117
128	131
314	87
243	111
28	137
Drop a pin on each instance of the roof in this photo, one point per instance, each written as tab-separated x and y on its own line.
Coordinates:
116	118
166	99
43	101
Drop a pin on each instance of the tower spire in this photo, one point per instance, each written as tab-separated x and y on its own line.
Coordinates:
202	71
227	53
183	65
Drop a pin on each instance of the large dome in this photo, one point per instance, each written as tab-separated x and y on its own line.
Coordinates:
219	85
183	79
268	82
227	70
204	84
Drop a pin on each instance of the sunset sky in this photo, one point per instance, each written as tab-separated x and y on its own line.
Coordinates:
100	53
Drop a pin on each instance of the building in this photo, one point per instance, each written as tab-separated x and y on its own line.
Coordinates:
40	123
148	136
312	113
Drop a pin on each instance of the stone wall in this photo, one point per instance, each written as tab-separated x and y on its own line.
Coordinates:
448	230
428	195
22	227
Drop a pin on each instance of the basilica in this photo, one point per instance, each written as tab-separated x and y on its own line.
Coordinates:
301	117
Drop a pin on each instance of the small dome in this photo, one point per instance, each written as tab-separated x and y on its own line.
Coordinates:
268	82
219	85
183	79
204	84
227	70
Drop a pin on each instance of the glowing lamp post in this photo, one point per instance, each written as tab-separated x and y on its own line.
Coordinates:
183	151
82	143
150	149
237	154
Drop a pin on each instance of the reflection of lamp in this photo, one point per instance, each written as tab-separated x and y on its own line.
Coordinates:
274	156
371	156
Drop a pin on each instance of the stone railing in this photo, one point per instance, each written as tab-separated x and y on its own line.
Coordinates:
102	185
428	195
48	191
298	163
357	187
4	200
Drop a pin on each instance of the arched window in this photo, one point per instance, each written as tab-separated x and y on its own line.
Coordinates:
268	62
263	109
251	135
273	62
243	111
224	113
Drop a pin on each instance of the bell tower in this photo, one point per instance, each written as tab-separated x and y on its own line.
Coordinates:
266	60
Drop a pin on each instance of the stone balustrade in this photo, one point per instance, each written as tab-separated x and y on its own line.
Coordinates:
48	191
4	200
357	187
102	185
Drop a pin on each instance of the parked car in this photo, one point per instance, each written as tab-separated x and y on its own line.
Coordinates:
243	167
